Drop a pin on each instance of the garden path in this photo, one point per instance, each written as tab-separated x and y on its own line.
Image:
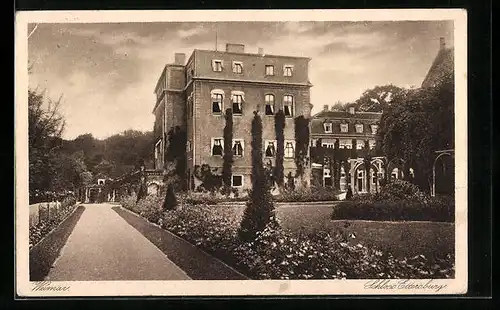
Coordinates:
104	247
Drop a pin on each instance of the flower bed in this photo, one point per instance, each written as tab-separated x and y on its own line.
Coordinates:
397	201
276	254
39	231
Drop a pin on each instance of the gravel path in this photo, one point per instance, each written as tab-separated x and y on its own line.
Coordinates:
104	247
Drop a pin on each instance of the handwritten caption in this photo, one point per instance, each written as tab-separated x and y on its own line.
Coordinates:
49	286
388	284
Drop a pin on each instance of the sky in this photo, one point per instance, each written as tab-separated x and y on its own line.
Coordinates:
106	73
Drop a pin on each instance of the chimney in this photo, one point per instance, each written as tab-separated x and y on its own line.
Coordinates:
325	108
351	110
180	59
442	43
235	48
261	51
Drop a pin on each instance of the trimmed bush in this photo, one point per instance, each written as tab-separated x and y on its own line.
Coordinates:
260	208
307	195
228	151
388	210
170	202
279	127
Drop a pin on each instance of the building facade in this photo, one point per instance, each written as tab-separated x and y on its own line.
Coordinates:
346	138
195	96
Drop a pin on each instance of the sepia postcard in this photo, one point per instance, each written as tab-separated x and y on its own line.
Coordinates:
241	153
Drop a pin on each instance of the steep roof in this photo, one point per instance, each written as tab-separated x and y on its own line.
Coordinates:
358	117
347	115
442	65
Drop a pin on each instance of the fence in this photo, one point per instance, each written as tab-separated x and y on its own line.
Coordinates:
44	211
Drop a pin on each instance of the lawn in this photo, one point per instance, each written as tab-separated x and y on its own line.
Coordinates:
399	238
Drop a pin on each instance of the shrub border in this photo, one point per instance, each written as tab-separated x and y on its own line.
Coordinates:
40	259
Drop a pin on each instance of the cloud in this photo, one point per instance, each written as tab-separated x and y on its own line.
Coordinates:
107	72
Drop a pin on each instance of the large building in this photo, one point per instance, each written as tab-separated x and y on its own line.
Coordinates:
345	134
194	95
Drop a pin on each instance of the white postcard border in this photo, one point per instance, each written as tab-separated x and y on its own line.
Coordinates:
233	287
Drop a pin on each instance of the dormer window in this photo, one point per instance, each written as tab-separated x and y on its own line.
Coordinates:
328	127
374	129
217	65
359	128
237	67
217	100
287	70
344	127
269	70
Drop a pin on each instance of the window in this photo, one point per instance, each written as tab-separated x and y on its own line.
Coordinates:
371	144
345	144
288	105
360	145
270	146
237	180
269	70
359	128
237	67
344	127
374	129
238	147
289	149
217	65
217	146
287	70
328	145
328	127
237	104
217	99
269	99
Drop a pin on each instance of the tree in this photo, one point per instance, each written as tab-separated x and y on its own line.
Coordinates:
259	211
377	99
279	127
45	127
338	106
301	144
228	151
418	123
176	154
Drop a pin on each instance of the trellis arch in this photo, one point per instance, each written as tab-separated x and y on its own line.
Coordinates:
440	155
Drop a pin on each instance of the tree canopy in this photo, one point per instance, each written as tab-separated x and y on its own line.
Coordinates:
418	123
377	99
